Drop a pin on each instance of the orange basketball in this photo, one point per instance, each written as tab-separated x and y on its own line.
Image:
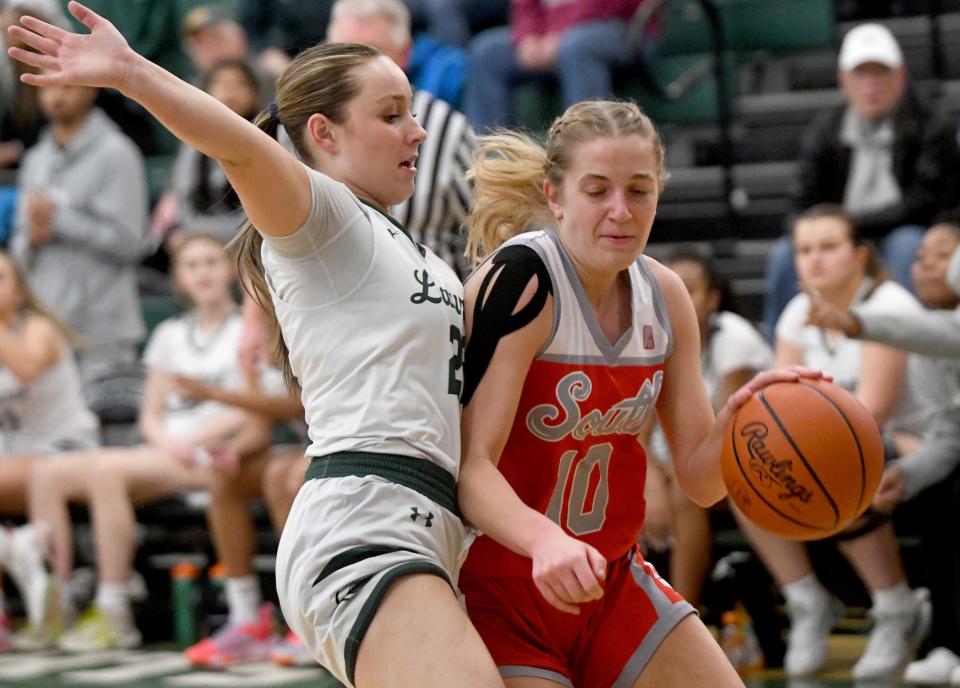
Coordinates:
802	459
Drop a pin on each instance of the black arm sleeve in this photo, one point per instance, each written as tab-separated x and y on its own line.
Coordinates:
493	315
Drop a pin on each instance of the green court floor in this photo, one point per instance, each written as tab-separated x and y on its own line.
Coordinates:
165	668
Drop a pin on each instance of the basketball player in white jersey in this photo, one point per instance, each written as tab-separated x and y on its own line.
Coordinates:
575	338
42	413
182	438
372	329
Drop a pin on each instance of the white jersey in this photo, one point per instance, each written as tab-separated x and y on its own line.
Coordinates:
374	327
840	356
48	415
734	344
179	346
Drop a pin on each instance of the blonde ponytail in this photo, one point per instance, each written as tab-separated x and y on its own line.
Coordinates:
508	173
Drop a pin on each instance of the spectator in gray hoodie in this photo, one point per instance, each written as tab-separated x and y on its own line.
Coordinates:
81	225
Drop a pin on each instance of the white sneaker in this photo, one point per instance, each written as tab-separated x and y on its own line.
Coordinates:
894	639
96	631
25	563
937	667
810	624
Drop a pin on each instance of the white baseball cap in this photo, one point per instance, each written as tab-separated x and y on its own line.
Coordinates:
869	43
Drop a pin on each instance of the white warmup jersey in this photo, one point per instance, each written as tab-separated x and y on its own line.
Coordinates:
179	346
840	356
374	327
48	415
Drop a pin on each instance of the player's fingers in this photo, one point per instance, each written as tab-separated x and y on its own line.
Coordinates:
34	40
554	600
587	579
85	15
39	61
54	33
598	563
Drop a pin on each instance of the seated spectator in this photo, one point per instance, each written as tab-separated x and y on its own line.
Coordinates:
185	442
211	35
732	351
577	41
835	263
891	162
934	336
441	197
42	413
454	21
79	229
274	476
20	116
200	198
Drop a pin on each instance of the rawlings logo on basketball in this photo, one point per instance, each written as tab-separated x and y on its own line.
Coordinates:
623	418
768	469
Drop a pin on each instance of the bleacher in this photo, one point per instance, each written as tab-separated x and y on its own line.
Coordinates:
779	69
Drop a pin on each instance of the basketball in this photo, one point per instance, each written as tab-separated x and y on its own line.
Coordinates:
802	459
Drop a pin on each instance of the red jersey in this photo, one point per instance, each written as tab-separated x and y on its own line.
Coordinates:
574	452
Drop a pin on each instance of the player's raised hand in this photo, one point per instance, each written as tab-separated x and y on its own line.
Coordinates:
567	571
99	58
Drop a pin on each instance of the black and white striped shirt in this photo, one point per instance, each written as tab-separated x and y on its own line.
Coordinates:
442	197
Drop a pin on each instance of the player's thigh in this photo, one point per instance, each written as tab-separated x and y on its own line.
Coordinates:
148	473
421	636
687	658
14	481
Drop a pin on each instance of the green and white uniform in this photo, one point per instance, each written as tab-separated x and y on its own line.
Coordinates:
374	327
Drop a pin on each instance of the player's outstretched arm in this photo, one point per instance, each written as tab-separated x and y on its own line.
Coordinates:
271	184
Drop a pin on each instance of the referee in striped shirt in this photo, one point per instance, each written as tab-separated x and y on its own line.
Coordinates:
441	196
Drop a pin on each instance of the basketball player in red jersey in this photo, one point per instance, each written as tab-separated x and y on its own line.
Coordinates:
574	339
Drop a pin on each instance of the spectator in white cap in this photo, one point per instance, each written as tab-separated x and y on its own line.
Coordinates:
882	154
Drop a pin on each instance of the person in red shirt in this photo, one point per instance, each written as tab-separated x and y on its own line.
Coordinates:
574	339
578	42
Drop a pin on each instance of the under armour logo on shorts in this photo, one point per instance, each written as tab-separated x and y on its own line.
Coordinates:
415	514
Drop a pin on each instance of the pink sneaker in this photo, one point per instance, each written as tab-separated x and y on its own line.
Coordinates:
6	637
235	644
291	652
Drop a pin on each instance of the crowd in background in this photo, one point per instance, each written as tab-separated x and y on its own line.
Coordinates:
87	229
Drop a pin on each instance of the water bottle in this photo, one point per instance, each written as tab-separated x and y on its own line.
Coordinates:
183	578
739	642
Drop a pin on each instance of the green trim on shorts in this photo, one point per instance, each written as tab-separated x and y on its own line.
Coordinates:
420	475
372	604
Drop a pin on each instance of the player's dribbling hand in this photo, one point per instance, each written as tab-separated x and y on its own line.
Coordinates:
567	571
98	59
890	490
792	373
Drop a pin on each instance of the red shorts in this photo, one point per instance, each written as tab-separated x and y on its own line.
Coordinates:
607	645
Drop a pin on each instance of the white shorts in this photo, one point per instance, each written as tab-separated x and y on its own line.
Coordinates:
22	445
347	539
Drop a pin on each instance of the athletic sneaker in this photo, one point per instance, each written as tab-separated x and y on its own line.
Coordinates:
937	667
25	562
810	622
96	630
6	637
46	633
235	644
291	652
895	637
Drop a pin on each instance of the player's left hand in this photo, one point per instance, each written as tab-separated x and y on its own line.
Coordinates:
793	373
890	491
